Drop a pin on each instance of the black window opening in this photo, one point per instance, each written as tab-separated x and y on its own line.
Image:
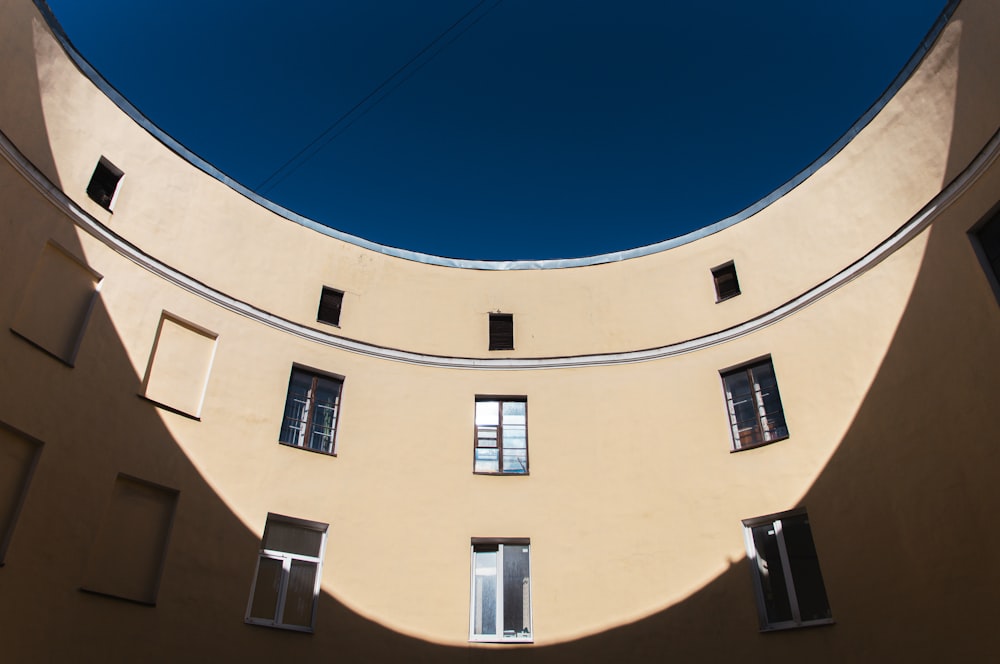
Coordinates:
755	414
330	302
501	331
787	577
103	187
988	236
726	283
312	407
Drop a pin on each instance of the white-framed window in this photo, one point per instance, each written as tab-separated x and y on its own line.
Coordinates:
501	445
501	591
755	414
787	578
312	406
286	583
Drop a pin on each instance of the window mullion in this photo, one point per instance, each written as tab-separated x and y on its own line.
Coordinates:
786	568
310	407
500	436
286	571
500	591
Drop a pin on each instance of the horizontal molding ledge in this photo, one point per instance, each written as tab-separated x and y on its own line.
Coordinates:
886	248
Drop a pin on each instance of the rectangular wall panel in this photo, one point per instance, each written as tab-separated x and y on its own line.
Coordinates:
18	457
57	302
131	544
179	365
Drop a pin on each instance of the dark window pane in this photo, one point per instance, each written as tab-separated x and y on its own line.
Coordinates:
726	283
265	593
330	302
773	588
802	559
516	601
299	594
501	332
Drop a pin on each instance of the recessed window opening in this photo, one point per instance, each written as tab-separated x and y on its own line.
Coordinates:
755	414
286	584
330	302
501	591
986	240
726	283
312	406
501	331
501	436
104	184
787	578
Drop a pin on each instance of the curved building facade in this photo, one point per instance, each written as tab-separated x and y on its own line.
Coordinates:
227	432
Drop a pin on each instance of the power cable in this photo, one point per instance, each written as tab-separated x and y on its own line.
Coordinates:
371	94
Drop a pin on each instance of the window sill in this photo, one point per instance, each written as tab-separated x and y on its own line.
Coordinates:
479	472
782	627
273	625
122	598
61	359
307	449
720	300
758	445
176	411
326	322
485	641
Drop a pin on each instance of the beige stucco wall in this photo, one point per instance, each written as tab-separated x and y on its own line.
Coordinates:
634	500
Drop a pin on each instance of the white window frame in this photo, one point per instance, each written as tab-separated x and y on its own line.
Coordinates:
499	637
786	570
286	559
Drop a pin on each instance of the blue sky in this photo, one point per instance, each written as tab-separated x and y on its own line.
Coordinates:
529	130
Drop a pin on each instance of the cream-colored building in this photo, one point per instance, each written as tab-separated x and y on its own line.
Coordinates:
772	439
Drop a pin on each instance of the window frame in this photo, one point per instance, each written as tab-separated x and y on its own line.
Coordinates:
286	558
485	544
323	304
499	337
501	400
306	432
776	521
723	270
114	171
765	436
992	274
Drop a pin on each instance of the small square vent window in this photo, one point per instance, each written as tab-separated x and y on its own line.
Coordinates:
726	283
329	306
104	184
501	332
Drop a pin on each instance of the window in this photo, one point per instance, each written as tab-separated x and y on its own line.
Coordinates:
104	184
501	331
988	247
726	283
501	436
501	590
755	413
311	411
286	584
790	590
329	306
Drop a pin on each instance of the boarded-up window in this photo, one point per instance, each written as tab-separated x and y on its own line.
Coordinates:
330	302
18	457
57	303
501	332
179	365
131	545
104	184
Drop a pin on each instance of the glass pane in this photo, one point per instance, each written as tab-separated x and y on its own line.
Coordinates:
487	413
516	589
296	409
292	538
486	436
515	461
802	559
487	461
513	412
772	579
264	604
484	599
299	596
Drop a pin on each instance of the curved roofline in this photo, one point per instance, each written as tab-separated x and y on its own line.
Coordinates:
542	264
895	241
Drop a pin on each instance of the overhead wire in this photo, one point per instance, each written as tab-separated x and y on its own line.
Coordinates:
297	160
